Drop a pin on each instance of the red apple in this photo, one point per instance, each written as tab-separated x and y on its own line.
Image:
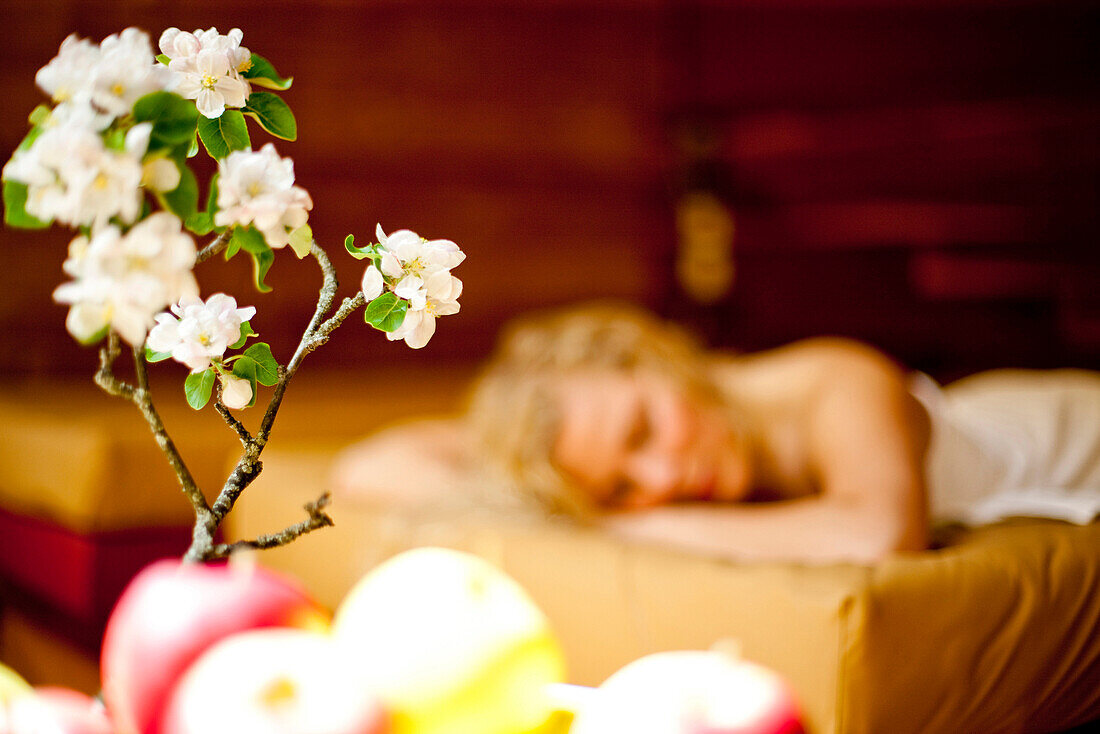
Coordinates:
690	692
272	680
56	711
170	613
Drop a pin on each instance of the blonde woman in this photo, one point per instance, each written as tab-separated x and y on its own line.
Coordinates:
817	451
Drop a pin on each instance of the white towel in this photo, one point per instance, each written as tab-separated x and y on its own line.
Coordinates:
1014	443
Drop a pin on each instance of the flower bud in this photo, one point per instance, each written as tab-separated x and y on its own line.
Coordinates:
372	283
236	392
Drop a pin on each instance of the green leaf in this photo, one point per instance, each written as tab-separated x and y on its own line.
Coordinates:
15	212
115	140
261	263
28	141
200	223
358	252
95	338
151	356
263	74
273	114
163	59
203	222
245	368
193	149
233	247
222	135
387	312
197	388
212	196
174	119
246	331
251	241
267	369
183	201
39	114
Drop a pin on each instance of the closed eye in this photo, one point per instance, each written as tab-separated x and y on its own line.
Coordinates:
621	490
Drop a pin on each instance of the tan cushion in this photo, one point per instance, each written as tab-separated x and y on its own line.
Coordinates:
84	460
999	632
44	658
995	633
77	457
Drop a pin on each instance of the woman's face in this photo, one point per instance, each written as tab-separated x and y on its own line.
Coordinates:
639	441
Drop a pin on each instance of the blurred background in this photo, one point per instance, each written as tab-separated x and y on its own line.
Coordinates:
918	174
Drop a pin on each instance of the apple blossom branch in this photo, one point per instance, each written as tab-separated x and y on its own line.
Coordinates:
231	419
318	518
217	245
323	331
141	397
249	465
100	163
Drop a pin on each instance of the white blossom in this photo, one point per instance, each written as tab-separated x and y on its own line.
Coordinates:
236	391
177	44
107	78
199	332
419	324
123	280
78	114
71	72
413	260
126	71
240	58
73	178
206	67
420	272
257	188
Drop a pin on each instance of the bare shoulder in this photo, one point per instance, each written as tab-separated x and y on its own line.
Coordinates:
409	464
803	371
828	353
852	381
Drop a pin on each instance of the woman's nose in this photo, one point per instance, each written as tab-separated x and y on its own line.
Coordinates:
655	476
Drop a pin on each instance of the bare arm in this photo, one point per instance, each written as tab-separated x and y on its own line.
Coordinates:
814	529
865	440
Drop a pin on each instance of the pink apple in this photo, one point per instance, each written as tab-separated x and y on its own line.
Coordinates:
690	692
170	613
54	710
272	680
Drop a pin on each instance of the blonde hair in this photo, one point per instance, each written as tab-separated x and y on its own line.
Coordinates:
513	406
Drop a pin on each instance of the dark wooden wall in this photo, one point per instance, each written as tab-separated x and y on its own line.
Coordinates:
919	174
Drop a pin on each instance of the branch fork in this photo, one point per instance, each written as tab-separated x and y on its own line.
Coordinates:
208	517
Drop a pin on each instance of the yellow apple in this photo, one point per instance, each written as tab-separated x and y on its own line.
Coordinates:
11	684
450	644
